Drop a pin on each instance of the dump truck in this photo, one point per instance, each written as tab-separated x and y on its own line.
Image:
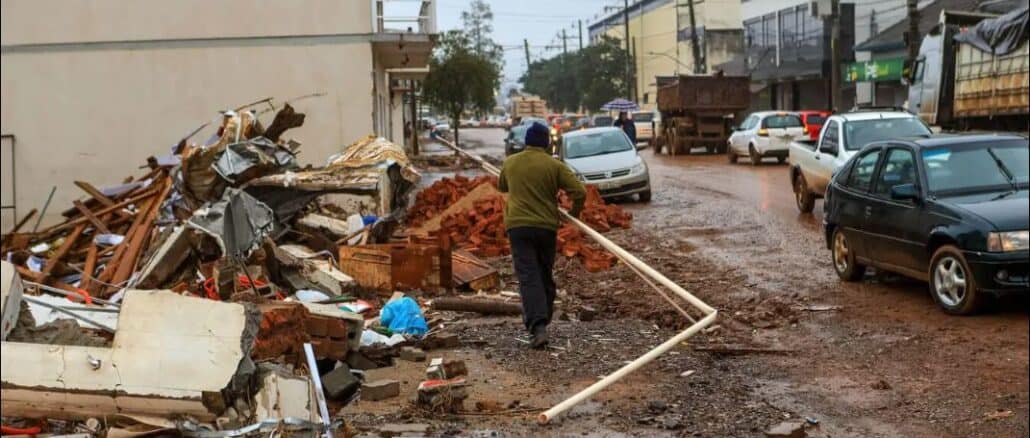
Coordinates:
699	111
972	72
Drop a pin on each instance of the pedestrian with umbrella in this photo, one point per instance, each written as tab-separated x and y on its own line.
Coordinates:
623	106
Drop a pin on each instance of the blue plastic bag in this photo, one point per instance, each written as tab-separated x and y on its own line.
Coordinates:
404	316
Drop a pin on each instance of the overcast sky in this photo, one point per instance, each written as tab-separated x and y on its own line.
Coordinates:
539	21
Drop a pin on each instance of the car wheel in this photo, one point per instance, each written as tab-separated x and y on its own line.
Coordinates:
844	258
731	155
802	196
951	282
755	158
644	196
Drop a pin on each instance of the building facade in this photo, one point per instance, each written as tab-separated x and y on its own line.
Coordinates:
660	39
90	89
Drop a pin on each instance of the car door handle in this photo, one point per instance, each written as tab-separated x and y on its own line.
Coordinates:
816	157
868	211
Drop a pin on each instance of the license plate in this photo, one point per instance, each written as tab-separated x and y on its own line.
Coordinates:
607	185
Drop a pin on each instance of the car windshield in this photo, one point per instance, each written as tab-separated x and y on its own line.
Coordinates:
782	121
977	167
858	133
599	143
642	117
603	121
815	119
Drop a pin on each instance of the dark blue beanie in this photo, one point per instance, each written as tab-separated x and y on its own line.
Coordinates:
538	135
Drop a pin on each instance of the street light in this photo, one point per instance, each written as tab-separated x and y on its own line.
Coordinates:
676	60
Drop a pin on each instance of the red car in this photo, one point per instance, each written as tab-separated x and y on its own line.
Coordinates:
813	121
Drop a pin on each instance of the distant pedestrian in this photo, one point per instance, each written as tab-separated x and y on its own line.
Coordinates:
532	179
627	126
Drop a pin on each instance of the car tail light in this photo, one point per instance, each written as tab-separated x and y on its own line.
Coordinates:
763	132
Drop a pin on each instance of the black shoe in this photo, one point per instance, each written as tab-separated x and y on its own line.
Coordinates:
539	338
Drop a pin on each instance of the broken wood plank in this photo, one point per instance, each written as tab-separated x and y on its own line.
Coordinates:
69	242
80	220
23	221
89	267
484	306
112	264
97	224
94	193
135	247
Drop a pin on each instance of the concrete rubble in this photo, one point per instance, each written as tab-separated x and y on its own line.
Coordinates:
181	299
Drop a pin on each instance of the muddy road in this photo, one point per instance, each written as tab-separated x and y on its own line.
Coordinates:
873	358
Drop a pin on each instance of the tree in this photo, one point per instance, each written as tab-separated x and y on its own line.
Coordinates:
478	24
587	78
460	80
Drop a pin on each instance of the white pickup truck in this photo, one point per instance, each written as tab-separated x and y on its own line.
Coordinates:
813	163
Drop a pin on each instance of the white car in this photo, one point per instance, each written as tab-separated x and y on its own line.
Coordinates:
765	134
814	162
644	122
604	157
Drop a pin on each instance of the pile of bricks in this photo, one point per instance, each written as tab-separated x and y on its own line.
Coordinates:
434	199
480	230
285	327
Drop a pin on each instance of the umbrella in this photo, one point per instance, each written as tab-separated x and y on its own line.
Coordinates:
620	105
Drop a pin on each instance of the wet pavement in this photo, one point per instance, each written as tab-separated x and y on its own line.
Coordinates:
873	358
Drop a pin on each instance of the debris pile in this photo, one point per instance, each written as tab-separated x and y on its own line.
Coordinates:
470	214
215	289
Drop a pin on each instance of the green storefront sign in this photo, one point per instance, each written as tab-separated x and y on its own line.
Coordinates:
875	70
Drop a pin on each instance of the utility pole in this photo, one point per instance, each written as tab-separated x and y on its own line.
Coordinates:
525	44
835	73
580	34
913	31
625	23
633	75
564	44
695	49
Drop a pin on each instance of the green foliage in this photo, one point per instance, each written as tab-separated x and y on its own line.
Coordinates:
459	79
589	77
478	24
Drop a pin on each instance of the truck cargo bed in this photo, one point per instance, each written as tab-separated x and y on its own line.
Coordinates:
705	94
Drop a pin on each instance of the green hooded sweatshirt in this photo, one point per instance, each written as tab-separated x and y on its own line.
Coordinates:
531	179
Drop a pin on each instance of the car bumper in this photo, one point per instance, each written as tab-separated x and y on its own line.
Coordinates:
1001	272
771	147
624	186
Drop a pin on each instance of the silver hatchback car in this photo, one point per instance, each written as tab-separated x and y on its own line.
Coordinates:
605	157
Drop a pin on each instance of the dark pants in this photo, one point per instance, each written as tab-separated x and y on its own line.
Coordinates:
532	252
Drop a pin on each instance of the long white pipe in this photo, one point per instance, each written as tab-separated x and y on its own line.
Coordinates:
641	268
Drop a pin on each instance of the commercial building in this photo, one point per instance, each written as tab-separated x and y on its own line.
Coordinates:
880	59
660	38
92	88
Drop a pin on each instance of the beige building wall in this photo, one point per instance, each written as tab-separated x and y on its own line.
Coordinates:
91	88
654	43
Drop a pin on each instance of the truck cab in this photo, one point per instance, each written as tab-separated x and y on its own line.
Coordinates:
813	163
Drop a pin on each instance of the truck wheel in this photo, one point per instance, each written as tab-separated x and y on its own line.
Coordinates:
710	149
731	155
755	158
952	283
781	159
844	258
803	197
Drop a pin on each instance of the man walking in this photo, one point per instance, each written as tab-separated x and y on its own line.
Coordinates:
531	179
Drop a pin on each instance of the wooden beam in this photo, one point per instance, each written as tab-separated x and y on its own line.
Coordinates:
69	242
80	220
119	251
132	253
23	221
88	268
97	224
93	192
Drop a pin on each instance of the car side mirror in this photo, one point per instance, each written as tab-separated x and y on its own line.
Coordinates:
905	192
830	150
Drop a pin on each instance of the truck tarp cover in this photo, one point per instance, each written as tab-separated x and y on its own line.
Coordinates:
1001	35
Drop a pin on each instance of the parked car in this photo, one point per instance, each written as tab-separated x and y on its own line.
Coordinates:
428	122
605	157
516	139
765	134
602	121
814	162
644	122
949	210
583	123
813	121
